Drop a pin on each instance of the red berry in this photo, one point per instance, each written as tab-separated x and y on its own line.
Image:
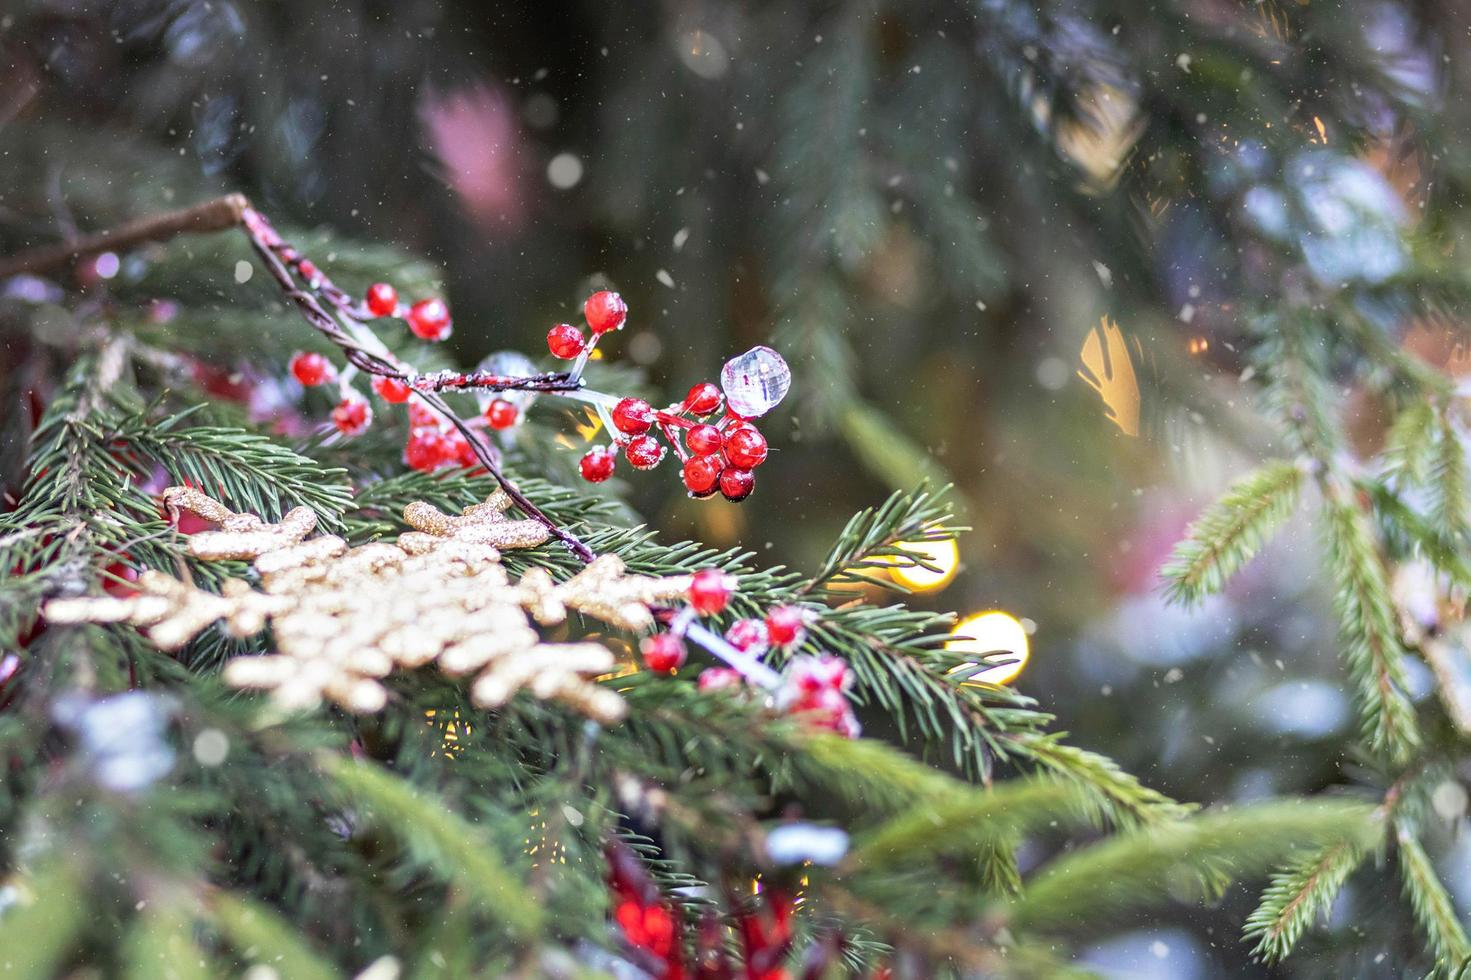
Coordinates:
700	475
429	319
421	415
501	414
786	625
703	399
644	452
428	449
663	652
710	590
310	368
745	447
605	311
736	484
391	390
382	299
352	415
719	679
633	416
565	341
747	634
461	451
597	465
309	271
704	440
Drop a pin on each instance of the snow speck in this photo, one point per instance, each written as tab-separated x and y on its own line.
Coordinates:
243	271
664	278
1105	274
680	237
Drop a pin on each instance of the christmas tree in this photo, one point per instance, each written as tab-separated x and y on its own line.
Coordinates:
332	643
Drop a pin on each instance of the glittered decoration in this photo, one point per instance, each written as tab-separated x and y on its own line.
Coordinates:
344	618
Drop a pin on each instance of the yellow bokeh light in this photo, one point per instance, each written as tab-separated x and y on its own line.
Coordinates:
944	555
993	632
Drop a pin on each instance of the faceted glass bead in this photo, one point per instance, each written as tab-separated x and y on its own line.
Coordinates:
755	382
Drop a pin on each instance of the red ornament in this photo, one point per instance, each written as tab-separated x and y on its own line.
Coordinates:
352	416
644	452
736	484
605	311
745	447
786	625
311	368
565	341
118	580
382	299
633	416
747	634
309	271
710	590
663	652
501	414
700	475
429	319
704	440
597	465
391	390
702	399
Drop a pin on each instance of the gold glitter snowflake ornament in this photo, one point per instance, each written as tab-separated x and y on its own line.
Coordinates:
344	618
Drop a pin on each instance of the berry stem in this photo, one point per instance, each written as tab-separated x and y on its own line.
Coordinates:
748	665
364	350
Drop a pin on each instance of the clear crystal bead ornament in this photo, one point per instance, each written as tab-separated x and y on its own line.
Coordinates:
508	364
755	382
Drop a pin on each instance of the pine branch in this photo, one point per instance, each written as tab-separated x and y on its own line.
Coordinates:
1299	894
1370	634
161	945
968	821
1134	868
1231	532
439	838
262	935
1118	793
875	537
1432	905
37	933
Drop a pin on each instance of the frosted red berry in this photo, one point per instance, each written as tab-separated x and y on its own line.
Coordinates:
747	634
462	451
428	449
429	319
309	271
663	652
605	311
391	390
597	465
745	447
633	416
422	415
310	368
736	484
702	399
704	440
119	580
700	475
565	341
710	590
501	414
382	299
644	452
352	416
719	679
785	625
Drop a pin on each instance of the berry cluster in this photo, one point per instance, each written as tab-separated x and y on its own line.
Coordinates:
814	687
717	451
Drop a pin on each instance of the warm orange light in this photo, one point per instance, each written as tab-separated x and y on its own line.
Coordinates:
944	555
996	633
1199	345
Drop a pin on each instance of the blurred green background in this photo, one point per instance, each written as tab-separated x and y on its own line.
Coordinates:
930	208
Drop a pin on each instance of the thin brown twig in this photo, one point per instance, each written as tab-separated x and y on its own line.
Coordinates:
217	215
